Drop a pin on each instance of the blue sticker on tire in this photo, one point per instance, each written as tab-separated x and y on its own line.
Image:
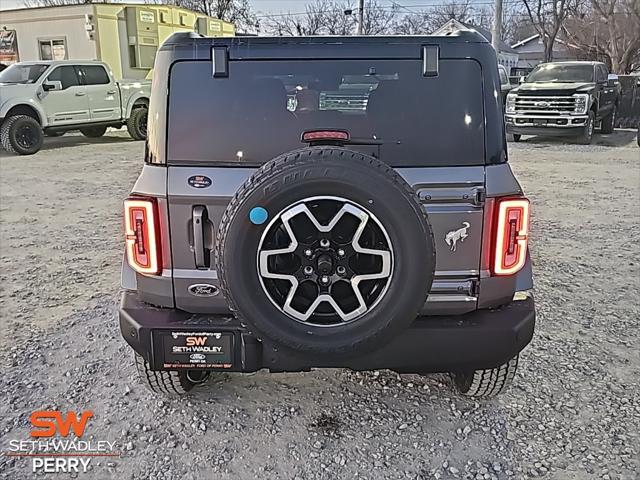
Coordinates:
258	215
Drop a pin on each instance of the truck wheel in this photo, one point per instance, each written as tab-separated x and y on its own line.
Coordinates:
21	135
587	133
340	267
487	382
93	132
137	124
608	123
174	383
514	137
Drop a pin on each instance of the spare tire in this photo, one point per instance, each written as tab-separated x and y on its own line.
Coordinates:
325	251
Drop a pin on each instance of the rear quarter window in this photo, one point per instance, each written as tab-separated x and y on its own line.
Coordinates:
261	109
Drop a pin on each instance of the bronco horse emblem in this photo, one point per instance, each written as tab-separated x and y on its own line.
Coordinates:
454	235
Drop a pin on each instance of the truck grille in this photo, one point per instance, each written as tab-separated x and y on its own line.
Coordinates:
534	105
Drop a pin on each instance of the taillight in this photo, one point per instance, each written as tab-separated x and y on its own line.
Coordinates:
142	235
511	235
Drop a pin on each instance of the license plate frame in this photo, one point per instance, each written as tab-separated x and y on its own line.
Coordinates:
194	349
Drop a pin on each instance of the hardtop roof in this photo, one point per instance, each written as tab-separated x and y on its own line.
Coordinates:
191	38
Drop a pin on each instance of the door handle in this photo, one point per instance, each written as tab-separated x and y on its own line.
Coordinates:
111	92
80	94
199	217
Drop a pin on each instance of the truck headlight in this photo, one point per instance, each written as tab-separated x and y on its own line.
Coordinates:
582	103
511	103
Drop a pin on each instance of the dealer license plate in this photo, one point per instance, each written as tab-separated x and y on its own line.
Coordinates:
196	349
539	121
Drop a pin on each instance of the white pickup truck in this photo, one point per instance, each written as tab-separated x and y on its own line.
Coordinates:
53	97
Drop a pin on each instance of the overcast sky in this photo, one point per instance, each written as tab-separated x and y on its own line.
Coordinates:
261	6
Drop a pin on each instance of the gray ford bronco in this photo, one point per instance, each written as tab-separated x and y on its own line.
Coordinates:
326	202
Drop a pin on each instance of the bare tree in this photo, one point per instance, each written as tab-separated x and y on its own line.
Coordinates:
309	23
462	11
331	17
516	24
378	20
607	30
548	17
338	18
413	23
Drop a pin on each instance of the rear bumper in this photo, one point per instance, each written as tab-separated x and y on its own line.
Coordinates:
482	339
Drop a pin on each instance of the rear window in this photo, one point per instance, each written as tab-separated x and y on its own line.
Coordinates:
95	75
261	109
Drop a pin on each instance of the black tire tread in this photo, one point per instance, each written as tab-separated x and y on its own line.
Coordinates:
290	160
489	382
584	138
162	382
5	133
132	123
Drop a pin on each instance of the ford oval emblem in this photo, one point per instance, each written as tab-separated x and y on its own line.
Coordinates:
203	290
199	181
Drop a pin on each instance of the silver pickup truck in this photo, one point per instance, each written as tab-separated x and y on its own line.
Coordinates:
50	98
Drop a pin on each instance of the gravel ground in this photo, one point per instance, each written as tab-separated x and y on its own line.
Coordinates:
574	412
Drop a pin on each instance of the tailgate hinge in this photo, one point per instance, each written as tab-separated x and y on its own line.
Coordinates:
479	196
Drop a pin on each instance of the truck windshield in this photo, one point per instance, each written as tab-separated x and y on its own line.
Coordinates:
561	73
18	73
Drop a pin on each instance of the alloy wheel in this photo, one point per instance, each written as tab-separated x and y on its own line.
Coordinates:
325	261
26	136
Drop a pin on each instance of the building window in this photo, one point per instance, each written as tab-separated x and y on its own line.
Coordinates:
53	49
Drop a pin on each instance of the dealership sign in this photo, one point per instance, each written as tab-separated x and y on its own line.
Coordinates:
8	46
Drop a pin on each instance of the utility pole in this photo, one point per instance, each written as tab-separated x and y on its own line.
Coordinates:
496	32
360	17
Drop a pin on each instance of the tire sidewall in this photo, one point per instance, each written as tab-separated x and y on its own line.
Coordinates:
589	128
21	122
410	239
141	122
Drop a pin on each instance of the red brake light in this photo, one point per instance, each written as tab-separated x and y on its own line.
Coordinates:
142	235
511	236
325	135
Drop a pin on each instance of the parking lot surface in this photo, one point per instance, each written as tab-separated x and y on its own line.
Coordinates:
573	413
